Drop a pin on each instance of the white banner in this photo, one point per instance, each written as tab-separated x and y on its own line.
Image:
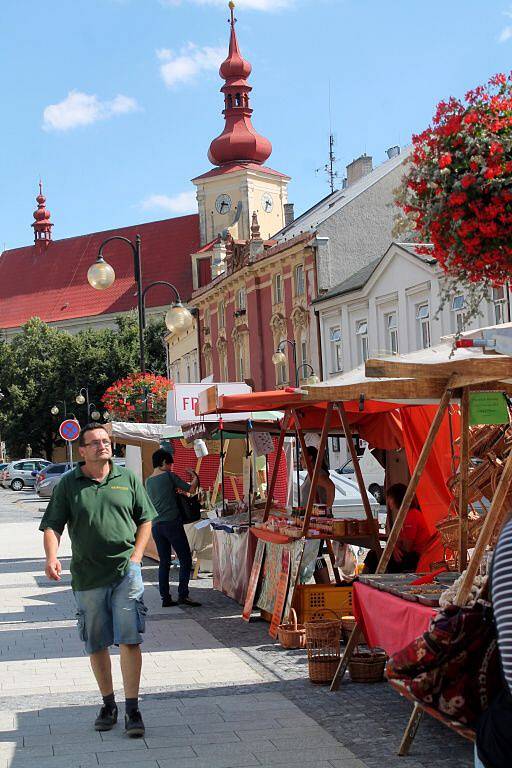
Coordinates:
182	401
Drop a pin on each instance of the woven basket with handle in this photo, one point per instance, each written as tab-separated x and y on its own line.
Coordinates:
323	640
292	635
367	665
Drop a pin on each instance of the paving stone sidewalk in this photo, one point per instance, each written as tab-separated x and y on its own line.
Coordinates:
216	691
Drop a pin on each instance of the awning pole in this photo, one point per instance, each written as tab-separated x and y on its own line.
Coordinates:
373	524
279	451
318	466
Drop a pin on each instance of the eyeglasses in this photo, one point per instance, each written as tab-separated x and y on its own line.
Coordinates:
97	443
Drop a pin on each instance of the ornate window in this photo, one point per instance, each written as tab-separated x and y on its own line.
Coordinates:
221	313
278	288
299	280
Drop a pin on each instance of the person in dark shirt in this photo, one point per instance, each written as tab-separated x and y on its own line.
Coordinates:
168	531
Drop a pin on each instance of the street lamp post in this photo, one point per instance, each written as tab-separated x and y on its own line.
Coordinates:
93	412
279	358
101	276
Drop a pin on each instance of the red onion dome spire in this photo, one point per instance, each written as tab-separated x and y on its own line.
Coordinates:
42	224
239	142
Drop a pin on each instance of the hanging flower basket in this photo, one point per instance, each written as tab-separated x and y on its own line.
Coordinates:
457	193
138	397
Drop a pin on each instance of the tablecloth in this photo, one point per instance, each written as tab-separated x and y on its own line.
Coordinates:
388	621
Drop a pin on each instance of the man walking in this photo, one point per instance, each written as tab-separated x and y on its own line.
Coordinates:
109	516
168	530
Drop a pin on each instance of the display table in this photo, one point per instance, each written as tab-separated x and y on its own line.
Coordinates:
388	621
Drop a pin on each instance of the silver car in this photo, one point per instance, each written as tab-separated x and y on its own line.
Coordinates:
21	474
49	477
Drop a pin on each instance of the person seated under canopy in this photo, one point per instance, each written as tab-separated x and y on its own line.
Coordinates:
414	539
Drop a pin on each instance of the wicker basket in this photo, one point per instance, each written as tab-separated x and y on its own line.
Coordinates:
292	635
367	665
348	624
323	643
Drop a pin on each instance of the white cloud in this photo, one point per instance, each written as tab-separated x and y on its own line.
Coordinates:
84	109
186	65
506	32
255	5
183	202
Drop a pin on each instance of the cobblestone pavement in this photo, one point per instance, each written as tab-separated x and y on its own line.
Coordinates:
216	691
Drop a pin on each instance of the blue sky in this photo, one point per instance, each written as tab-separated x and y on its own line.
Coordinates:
114	102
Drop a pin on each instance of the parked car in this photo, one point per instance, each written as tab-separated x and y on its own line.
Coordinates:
373	474
348	503
19	474
48	477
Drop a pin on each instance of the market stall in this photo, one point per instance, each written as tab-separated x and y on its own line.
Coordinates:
478	383
380	423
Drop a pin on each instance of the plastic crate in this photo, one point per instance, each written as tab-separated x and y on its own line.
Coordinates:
319	601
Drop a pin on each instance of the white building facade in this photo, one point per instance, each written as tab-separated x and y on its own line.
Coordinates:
392	306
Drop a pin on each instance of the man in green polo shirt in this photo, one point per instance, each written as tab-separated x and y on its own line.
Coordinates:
108	515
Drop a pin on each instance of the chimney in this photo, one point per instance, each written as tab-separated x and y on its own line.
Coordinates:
358	168
393	151
289	214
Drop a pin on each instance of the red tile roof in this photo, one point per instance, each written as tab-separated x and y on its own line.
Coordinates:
52	283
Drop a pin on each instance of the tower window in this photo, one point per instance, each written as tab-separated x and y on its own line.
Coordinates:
238	100
229	101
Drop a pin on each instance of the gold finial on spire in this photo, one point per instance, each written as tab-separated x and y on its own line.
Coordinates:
232	9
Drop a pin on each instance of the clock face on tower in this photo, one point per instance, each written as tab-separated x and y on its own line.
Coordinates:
267	202
223	204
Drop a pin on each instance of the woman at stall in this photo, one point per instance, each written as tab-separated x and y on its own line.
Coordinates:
494	733
325	490
414	539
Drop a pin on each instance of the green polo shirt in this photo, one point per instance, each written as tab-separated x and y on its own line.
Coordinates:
102	519
162	492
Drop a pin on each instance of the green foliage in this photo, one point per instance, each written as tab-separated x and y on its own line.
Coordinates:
42	366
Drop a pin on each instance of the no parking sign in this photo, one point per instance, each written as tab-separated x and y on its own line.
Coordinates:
69	430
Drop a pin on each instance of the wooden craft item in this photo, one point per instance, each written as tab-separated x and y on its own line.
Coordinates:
282	587
253	580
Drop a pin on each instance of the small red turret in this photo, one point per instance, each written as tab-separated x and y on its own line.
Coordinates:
42	224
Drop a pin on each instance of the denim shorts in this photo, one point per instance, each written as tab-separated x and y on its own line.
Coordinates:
115	614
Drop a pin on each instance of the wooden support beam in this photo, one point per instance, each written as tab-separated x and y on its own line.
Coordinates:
372	523
318	466
463	482
490	367
355	636
391	391
279	451
491	522
332	558
307	457
410	731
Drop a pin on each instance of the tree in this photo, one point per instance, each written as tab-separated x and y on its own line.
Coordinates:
42	366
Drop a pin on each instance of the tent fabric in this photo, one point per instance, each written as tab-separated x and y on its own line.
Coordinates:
433	494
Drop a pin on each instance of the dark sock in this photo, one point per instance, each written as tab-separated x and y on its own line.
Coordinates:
109	701
132	705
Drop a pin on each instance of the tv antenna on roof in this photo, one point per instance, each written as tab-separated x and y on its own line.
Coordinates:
330	167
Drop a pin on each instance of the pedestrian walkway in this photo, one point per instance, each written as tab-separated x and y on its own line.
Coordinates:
203	704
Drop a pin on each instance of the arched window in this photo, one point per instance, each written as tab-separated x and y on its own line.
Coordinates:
238	100
229	101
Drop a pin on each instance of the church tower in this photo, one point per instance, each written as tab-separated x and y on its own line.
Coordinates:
240	184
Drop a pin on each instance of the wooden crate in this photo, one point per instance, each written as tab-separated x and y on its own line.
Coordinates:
319	601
